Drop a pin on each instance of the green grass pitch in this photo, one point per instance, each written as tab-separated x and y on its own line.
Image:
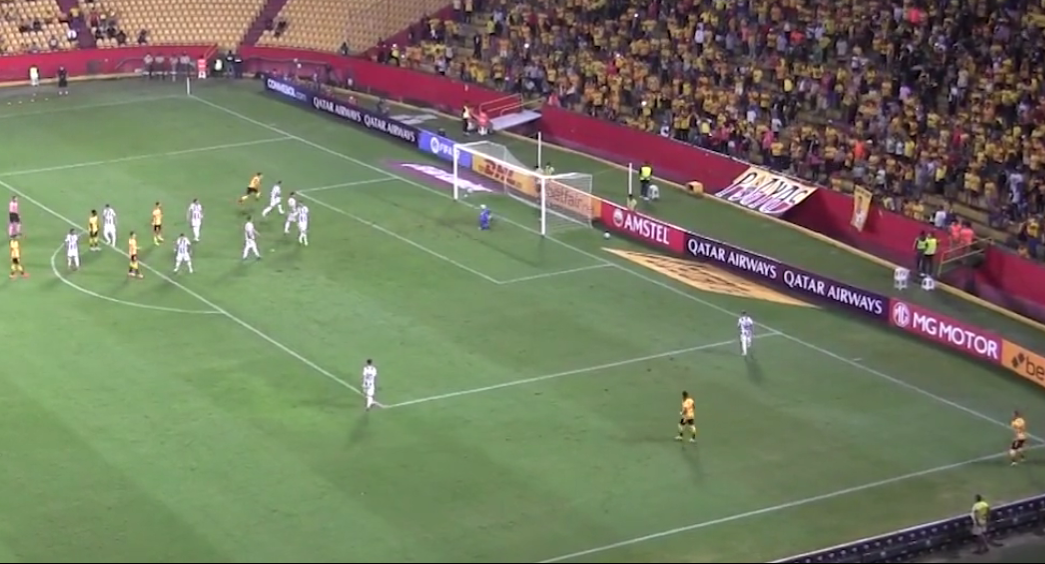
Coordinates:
530	387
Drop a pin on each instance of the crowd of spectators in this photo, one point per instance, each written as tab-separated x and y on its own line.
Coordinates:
39	29
930	105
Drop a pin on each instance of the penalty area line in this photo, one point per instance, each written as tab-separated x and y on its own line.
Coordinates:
346	185
401	238
574	372
545	275
262	335
778	507
133	158
65	280
631	271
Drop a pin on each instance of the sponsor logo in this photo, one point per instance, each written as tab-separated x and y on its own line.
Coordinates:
501	173
443	148
566	197
1026	363
444	176
706	277
946	331
355	114
794	279
644	228
842	294
285	89
764	192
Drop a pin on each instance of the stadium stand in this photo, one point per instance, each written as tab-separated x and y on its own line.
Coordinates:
929	105
28	26
220	22
326	24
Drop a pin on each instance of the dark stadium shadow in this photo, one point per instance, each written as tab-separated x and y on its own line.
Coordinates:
754	369
241	269
465	227
690	453
360	430
287	256
473	234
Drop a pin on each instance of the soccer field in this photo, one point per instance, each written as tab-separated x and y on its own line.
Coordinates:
530	387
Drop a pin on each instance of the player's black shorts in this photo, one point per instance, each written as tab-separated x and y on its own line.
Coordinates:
93	234
14	218
686	422
157	228
134	258
253	191
1017	444
15	261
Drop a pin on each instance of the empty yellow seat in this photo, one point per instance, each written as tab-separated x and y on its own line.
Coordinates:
220	22
324	24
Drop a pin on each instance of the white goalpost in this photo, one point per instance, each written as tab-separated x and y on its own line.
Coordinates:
564	201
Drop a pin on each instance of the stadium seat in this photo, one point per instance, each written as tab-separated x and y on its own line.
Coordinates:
201	22
901	104
325	24
46	11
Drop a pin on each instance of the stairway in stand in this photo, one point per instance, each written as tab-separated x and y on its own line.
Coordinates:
270	11
84	37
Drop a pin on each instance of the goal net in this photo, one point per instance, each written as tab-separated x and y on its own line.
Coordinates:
563	200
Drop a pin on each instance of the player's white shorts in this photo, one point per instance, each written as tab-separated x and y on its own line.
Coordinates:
182	257
274	202
368	391
109	232
250	246
72	255
196	224
303	226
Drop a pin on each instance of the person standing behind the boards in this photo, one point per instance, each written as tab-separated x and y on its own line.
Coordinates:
466	116
645	178
931	244
980	515
919	252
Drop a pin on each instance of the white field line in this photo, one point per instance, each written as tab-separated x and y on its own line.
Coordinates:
346	185
200	298
900	383
585	370
144	157
65	280
306	194
779	507
399	237
63	109
544	275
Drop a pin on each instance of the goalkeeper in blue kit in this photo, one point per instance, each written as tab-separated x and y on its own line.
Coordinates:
485	217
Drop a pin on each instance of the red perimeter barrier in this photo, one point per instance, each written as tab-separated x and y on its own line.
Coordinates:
415	87
1004	278
87	62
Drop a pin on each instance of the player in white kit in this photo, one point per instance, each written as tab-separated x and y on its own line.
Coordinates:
369	383
303	224
72	250
292	209
109	225
747	331
275	200
195	217
250	240
182	253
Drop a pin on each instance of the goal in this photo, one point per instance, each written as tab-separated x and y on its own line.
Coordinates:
564	200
